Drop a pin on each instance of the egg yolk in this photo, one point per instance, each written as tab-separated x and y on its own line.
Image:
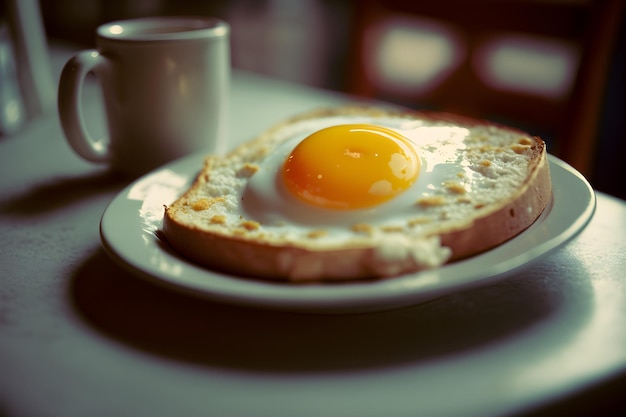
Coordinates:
351	166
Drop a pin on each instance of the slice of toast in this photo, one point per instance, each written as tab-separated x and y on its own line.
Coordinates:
497	184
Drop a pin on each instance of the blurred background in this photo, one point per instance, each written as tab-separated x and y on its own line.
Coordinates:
554	68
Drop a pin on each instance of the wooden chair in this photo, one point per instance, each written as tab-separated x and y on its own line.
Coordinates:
566	114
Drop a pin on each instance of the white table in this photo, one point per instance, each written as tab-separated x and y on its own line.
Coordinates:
79	336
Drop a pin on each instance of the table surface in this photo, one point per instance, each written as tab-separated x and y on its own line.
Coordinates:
81	336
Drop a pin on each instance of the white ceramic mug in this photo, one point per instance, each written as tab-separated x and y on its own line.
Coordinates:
165	83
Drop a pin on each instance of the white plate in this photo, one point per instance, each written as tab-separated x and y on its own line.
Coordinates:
131	224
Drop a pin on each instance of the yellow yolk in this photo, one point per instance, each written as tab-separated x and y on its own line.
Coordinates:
351	166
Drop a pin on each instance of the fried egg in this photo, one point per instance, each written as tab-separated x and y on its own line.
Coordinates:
342	173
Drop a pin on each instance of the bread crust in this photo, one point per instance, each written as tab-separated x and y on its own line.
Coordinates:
237	254
512	218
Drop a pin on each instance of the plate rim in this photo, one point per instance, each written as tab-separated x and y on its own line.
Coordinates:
402	291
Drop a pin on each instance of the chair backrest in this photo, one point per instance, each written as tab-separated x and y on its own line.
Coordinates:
540	65
29	88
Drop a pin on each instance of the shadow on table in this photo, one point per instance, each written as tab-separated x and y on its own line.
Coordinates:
166	323
54	193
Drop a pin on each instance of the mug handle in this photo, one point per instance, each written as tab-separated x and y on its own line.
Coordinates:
69	103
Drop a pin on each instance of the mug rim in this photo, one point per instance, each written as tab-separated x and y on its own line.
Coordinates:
197	27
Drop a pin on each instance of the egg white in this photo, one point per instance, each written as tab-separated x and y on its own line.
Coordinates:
440	147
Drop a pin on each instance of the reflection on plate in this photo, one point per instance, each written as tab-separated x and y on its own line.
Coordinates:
131	223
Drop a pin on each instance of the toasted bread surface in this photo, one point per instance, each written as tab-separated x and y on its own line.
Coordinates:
453	222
